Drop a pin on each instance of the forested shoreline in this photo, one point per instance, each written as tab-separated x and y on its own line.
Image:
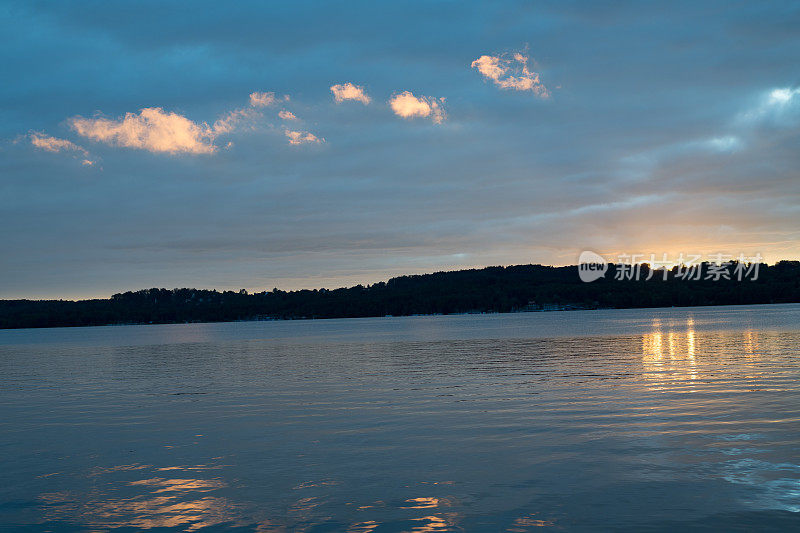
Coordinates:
490	289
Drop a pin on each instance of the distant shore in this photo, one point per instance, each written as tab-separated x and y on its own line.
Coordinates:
522	288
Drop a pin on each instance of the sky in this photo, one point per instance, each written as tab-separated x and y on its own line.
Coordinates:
324	144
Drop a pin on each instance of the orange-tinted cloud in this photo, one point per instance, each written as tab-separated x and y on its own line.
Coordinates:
302	137
152	129
258	99
286	115
348	91
232	119
54	144
511	73
407	105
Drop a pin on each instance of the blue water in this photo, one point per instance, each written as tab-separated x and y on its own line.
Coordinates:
628	420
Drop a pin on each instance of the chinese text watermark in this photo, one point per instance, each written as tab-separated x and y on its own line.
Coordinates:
687	267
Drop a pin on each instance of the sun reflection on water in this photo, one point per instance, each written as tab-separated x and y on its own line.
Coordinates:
751	344
669	356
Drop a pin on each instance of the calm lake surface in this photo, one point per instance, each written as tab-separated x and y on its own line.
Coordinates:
634	420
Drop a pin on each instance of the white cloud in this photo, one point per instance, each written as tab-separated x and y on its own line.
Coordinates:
725	143
780	105
511	73
407	105
348	91
774	107
258	99
152	129
302	137
782	96
286	115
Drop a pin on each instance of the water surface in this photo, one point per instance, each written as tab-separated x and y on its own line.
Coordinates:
629	420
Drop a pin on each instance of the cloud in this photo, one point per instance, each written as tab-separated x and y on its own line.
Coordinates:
156	130
725	143
511	73
774	107
407	105
258	99
54	144
782	96
348	91
229	122
152	129
778	105
302	137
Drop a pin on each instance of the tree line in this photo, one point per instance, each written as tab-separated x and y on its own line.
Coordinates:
491	289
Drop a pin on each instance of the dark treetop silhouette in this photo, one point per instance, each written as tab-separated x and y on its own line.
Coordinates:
491	289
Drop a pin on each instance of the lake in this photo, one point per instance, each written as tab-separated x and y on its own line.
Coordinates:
626	420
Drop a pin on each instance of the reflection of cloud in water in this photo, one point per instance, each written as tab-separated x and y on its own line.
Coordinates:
304	505
423	503
98	471
165	503
363	527
432	523
525	523
140	512
180	485
429	523
315	483
778	483
197	468
378	503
